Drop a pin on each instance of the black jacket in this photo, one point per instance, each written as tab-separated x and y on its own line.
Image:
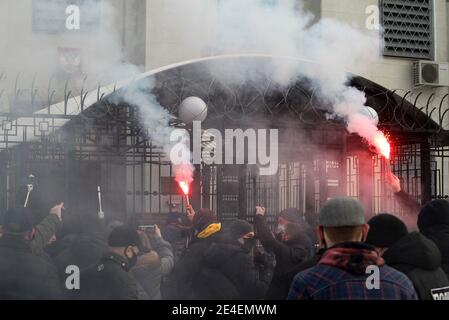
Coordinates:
179	284
419	259
228	273
25	276
288	255
84	251
286	280
440	235
109	280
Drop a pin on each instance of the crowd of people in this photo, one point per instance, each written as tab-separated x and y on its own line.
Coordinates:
196	257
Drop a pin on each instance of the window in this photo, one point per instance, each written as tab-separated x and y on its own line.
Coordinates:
408	28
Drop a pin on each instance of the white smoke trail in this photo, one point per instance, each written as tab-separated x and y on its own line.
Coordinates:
155	119
283	29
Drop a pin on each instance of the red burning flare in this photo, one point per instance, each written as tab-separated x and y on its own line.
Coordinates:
382	145
185	187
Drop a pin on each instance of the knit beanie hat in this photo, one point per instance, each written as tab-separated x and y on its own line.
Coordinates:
435	212
124	236
203	218
342	212
385	230
291	215
238	228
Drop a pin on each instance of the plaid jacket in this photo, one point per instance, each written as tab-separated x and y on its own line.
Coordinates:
341	275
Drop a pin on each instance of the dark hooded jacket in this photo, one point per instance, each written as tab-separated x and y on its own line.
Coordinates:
288	254
83	251
179	283
228	273
440	236
419	259
109	280
24	275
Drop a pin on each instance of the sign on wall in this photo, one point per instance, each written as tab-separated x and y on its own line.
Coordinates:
65	16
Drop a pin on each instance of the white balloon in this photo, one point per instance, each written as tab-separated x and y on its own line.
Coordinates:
192	109
371	114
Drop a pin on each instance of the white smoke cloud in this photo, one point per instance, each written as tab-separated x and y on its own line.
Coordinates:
156	122
323	52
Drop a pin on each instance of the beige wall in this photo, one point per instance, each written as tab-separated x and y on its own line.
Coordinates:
166	43
30	54
164	39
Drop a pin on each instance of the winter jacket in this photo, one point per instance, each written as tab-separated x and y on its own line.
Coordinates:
288	254
179	284
24	275
419	259
149	274
228	273
179	237
440	235
342	274
43	233
109	280
286	279
83	251
165	252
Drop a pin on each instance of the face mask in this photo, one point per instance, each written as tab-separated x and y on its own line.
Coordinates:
281	228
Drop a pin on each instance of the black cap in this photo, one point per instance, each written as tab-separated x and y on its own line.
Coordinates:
385	230
434	213
124	236
18	220
238	228
291	215
203	218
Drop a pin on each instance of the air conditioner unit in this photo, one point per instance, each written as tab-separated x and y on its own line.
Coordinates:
428	73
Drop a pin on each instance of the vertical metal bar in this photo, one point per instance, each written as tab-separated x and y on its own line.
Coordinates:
426	172
242	172
142	187
159	188
134	174
151	178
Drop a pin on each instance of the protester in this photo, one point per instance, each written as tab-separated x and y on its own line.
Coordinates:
341	272
47	229
83	248
179	231
208	231
227	270
156	263
147	270
433	222
411	253
164	250
24	275
291	246
205	224
110	279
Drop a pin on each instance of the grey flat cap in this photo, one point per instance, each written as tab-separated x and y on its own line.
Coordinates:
342	212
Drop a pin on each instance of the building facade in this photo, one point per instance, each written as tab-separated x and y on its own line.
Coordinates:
49	46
